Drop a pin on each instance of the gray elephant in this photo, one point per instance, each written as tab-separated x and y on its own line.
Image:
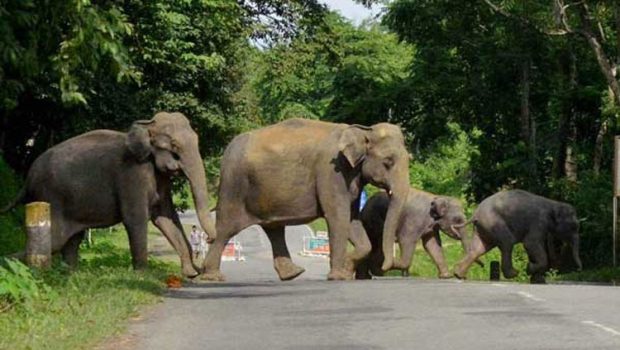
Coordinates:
509	217
298	170
423	216
104	177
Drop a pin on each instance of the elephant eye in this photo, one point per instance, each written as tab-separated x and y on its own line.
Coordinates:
175	155
388	163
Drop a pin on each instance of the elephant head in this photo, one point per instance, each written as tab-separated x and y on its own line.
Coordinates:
379	152
565	226
172	144
447	213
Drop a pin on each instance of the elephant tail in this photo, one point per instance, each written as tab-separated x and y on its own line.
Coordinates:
18	199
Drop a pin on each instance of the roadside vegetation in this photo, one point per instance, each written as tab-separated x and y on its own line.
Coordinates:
62	309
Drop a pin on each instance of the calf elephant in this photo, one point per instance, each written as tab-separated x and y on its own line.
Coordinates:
423	216
104	177
510	217
298	170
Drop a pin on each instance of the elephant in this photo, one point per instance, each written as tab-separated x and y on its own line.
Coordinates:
103	177
509	217
298	170
423	216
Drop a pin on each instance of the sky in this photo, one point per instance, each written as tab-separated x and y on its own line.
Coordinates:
351	10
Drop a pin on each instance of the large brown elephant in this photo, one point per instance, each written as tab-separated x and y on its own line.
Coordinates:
104	177
298	170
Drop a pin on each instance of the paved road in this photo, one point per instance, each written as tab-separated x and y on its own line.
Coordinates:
253	310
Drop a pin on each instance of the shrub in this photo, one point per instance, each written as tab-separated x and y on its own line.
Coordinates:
18	286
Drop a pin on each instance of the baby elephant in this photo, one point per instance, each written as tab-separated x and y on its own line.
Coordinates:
509	217
423	215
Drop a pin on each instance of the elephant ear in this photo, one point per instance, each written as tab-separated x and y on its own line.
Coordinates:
139	141
439	207
353	144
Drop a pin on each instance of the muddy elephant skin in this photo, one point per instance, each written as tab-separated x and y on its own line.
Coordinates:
510	217
104	177
298	170
423	216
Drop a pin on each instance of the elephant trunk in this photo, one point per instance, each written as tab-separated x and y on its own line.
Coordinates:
398	198
195	172
575	250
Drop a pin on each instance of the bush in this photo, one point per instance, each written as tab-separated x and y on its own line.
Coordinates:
12	235
18	286
592	198
447	170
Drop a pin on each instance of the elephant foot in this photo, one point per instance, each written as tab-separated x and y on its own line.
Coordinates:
445	275
286	269
510	274
339	275
362	276
213	276
190	271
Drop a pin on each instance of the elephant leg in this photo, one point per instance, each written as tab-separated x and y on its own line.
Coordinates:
173	231
432	245
362	270
138	246
505	242
407	247
166	219
225	231
360	242
477	248
211	265
338	235
507	269
282	262
375	259
135	213
71	248
538	260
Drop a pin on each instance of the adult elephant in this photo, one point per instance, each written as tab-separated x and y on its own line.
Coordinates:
104	177
423	216
509	217
298	170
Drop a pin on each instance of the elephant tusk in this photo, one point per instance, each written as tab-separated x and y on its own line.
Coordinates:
456	233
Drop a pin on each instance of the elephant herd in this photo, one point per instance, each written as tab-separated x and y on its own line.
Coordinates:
288	173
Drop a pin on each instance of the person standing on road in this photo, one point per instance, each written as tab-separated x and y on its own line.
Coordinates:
194	240
203	244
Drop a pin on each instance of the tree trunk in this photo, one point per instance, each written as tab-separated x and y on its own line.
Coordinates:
598	147
568	86
528	125
608	67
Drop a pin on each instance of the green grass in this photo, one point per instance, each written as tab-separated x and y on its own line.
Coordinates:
84	307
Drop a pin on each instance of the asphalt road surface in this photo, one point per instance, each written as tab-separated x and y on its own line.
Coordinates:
254	310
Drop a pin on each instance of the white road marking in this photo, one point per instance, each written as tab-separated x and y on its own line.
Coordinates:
529	296
600	326
498	285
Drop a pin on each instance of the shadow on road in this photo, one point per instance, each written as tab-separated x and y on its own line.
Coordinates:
198	293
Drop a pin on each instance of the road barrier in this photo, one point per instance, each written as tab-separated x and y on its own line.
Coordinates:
232	251
316	244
